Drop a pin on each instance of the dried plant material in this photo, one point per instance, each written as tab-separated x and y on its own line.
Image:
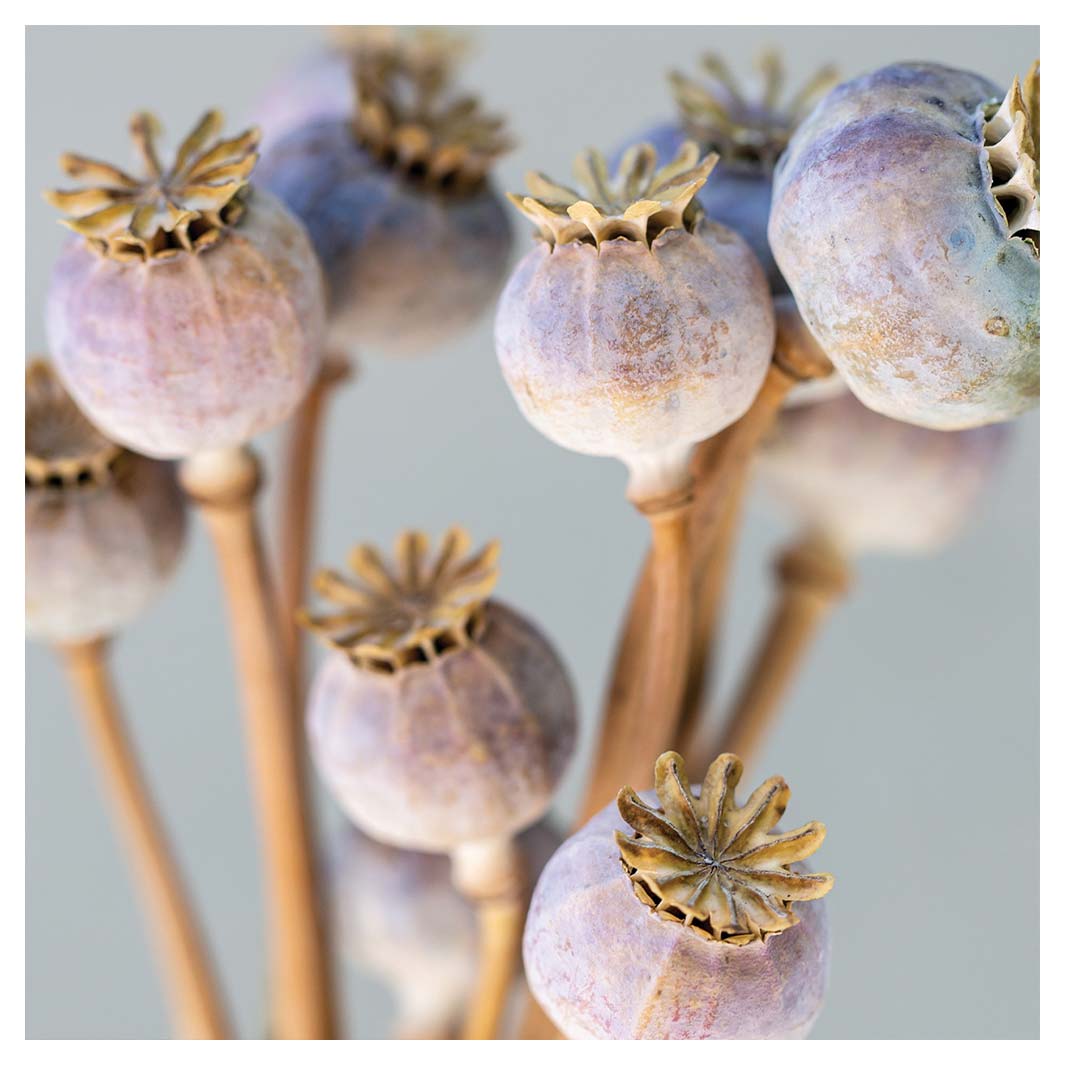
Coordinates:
183	208
740	127
63	447
408	116
716	867
413	609
1011	135
639	204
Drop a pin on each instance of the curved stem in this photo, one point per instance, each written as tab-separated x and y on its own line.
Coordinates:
811	576
491	874
195	999
298	484
224	485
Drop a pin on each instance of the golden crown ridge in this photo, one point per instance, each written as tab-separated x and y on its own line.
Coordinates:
410	611
408	116
641	202
63	448
711	865
1011	139
743	127
185	208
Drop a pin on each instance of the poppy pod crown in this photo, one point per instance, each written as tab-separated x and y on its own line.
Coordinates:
183	207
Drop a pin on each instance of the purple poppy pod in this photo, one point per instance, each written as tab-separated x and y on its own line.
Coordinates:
412	237
104	526
686	917
906	221
189	313
442	717
636	327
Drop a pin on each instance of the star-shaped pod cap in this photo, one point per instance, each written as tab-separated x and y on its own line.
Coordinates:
1011	136
410	118
185	207
712	865
640	202
742	127
63	448
410	610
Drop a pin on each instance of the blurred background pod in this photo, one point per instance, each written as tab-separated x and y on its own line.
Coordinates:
906	220
681	914
397	199
748	126
105	526
400	917
442	716
188	312
873	484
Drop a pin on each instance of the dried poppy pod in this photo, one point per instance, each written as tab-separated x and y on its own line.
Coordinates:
412	237
443	723
189	313
870	483
443	716
401	918
906	221
705	929
749	131
636	327
104	526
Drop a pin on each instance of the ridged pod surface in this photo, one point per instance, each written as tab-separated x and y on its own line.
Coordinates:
468	746
407	266
630	350
605	966
194	352
899	255
871	483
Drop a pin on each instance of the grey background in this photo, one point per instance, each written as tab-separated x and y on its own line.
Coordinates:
912	731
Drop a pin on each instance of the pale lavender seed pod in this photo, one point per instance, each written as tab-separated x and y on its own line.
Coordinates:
441	717
905	219
873	484
635	328
315	89
402	919
183	328
104	527
413	239
605	964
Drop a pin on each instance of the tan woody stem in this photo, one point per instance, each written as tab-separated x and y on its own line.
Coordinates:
491	874
709	588
224	485
195	999
299	480
811	577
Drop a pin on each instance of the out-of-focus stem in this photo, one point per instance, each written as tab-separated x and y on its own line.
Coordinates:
298	489
224	486
195	999
811	576
491	874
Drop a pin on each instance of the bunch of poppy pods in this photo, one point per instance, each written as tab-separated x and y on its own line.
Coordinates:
836	293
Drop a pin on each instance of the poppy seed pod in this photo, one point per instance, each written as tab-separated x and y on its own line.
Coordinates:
688	917
104	526
189	315
410	233
906	221
401	917
870	483
636	327
442	717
